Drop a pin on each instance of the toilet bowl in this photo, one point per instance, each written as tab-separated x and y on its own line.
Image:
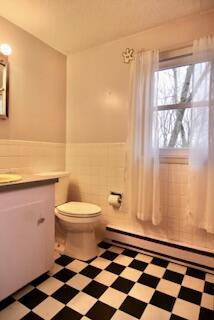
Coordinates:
78	220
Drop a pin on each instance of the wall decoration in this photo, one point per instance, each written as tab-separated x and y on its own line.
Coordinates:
128	55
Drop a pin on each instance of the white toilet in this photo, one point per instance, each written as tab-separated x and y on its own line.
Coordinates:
77	219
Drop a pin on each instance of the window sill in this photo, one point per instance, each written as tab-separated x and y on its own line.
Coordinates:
177	156
174	160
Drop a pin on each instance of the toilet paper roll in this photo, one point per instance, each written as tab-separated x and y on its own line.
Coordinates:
114	200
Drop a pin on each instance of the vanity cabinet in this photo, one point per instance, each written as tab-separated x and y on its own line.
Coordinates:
26	236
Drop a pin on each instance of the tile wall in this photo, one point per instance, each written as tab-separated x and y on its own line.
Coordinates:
31	156
98	168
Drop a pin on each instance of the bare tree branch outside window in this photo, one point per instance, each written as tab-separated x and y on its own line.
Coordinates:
174	87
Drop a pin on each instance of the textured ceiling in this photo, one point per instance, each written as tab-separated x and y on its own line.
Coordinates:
74	25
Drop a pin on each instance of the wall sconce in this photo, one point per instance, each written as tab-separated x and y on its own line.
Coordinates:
5	49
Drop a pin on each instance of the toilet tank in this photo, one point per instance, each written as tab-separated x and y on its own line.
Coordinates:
61	187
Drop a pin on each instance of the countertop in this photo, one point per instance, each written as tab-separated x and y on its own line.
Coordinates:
28	181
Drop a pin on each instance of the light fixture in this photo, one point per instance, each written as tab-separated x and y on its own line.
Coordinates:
5	49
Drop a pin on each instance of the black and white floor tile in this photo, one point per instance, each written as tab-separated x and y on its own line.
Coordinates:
119	284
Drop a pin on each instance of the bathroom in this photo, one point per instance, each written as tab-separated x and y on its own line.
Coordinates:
68	110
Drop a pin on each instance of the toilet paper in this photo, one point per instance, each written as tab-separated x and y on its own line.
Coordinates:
114	200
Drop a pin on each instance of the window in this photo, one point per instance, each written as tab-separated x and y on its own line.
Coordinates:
174	113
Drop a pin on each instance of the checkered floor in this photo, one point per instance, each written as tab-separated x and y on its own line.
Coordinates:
120	284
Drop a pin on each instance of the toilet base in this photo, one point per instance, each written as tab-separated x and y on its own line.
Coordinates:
81	245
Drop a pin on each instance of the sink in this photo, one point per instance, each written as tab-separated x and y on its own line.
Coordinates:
9	177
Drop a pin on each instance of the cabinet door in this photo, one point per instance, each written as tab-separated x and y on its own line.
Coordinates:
26	244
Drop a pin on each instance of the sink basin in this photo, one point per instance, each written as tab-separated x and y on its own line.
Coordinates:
9	177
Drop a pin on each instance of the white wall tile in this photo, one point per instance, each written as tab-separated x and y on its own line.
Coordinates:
31	156
98	168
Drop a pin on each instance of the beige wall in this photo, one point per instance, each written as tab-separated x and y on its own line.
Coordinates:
98	80
97	121
37	88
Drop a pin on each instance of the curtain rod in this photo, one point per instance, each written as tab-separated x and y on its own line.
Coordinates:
187	45
184	50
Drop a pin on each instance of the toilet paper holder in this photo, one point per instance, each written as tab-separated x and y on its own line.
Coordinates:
119	196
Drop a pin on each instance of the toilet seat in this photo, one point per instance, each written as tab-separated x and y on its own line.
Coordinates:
79	209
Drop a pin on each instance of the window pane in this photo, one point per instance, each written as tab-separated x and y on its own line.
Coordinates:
174	128
174	85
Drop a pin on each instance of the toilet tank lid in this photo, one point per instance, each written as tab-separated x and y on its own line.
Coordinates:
80	208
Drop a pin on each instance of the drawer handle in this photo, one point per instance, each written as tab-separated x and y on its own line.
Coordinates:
40	220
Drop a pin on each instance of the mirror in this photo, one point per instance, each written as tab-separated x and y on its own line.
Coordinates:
3	88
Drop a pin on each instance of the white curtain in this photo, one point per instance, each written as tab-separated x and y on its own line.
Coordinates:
201	162
143	147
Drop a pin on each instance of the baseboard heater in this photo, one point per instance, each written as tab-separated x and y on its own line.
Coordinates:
173	251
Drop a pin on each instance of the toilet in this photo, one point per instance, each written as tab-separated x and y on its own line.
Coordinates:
77	219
